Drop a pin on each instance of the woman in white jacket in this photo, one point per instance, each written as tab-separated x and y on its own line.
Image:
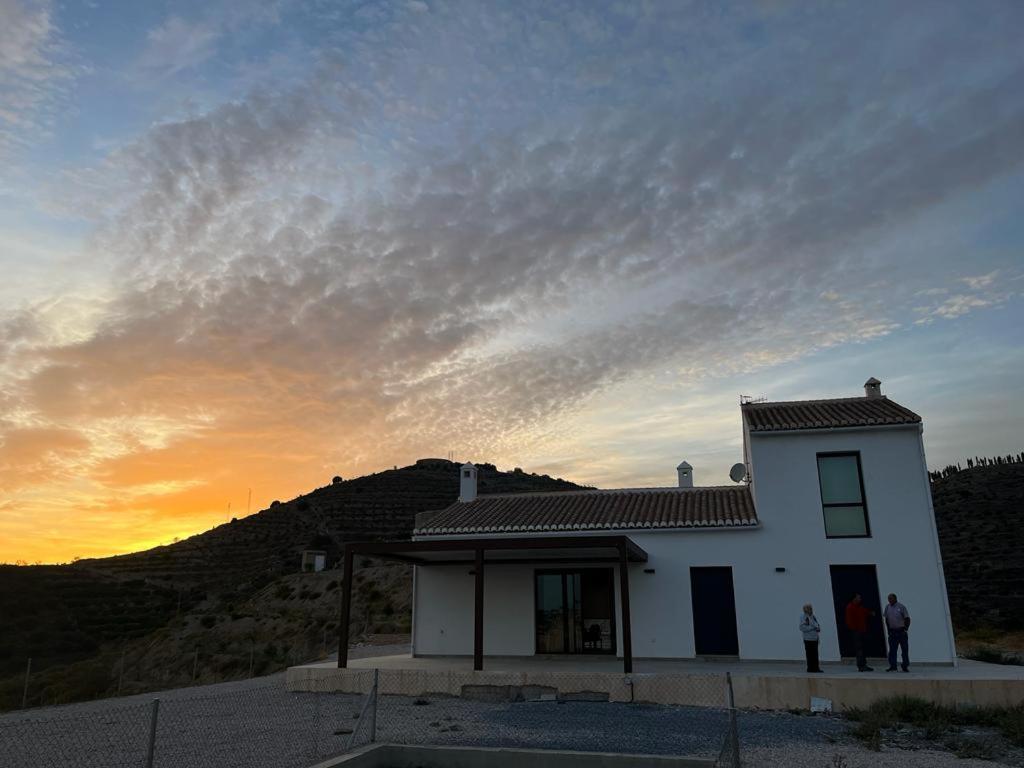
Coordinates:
811	630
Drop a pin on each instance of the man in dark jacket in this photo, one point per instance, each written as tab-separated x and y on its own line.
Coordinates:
857	623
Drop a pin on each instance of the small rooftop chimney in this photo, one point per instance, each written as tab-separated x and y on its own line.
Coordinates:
467	482
872	387
685	472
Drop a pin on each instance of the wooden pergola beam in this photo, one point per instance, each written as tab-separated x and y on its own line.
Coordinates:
627	632
478	612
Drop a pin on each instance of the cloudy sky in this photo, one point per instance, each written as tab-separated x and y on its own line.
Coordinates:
255	247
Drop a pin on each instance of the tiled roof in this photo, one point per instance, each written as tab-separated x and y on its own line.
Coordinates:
725	507
825	414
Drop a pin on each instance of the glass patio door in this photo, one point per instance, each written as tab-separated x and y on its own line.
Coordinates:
575	611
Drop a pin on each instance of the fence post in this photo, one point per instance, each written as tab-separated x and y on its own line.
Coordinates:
734	737
120	671
151	747
195	665
24	692
370	697
252	656
373	710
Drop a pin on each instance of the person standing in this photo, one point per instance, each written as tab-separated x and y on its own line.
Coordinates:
857	616
897	622
811	631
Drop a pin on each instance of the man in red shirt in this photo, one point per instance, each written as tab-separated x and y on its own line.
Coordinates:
857	622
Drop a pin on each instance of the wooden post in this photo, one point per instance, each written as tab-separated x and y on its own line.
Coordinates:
478	613
346	609
195	665
627	633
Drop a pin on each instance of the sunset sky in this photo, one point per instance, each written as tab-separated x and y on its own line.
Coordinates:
257	246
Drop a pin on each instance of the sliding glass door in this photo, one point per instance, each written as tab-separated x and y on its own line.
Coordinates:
575	611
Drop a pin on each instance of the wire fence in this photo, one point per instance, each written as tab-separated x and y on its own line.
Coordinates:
119	674
642	714
260	723
256	725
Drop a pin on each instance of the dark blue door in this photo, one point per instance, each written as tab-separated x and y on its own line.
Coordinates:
848	580
714	612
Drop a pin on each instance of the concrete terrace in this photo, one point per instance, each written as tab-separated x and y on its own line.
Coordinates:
760	685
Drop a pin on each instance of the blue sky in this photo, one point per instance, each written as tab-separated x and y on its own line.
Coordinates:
257	245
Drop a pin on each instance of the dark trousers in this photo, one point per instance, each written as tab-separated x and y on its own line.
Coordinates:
811	651
859	641
898	639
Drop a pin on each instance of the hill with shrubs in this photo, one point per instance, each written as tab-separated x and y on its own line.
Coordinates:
375	507
979	513
226	603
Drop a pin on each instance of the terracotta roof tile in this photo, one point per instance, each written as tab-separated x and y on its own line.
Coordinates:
826	414
724	507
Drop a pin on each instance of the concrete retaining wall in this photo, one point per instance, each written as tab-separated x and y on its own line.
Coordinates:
751	691
764	692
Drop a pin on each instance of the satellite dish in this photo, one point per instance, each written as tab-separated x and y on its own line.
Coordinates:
738	472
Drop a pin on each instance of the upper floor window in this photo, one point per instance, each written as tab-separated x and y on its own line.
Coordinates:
842	495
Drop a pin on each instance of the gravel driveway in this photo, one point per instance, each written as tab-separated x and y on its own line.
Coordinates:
255	723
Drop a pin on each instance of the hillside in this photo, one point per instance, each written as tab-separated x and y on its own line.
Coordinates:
374	507
223	602
58	615
979	513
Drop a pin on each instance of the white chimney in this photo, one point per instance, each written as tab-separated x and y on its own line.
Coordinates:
467	482
872	388
685	472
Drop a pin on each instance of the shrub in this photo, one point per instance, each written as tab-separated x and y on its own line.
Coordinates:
283	592
994	656
208	621
937	721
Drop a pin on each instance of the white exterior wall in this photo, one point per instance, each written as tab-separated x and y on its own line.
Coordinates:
903	547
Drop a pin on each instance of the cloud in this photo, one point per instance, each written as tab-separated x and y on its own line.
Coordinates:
985	292
176	45
332	275
34	71
34	455
978	282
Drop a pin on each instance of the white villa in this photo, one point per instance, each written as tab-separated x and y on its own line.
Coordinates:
833	499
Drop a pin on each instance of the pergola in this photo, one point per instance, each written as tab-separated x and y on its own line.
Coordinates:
540	550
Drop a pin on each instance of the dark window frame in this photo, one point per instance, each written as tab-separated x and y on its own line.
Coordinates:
863	496
563	572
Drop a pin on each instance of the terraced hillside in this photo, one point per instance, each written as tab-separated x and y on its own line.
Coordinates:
381	506
57	615
979	513
226	602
